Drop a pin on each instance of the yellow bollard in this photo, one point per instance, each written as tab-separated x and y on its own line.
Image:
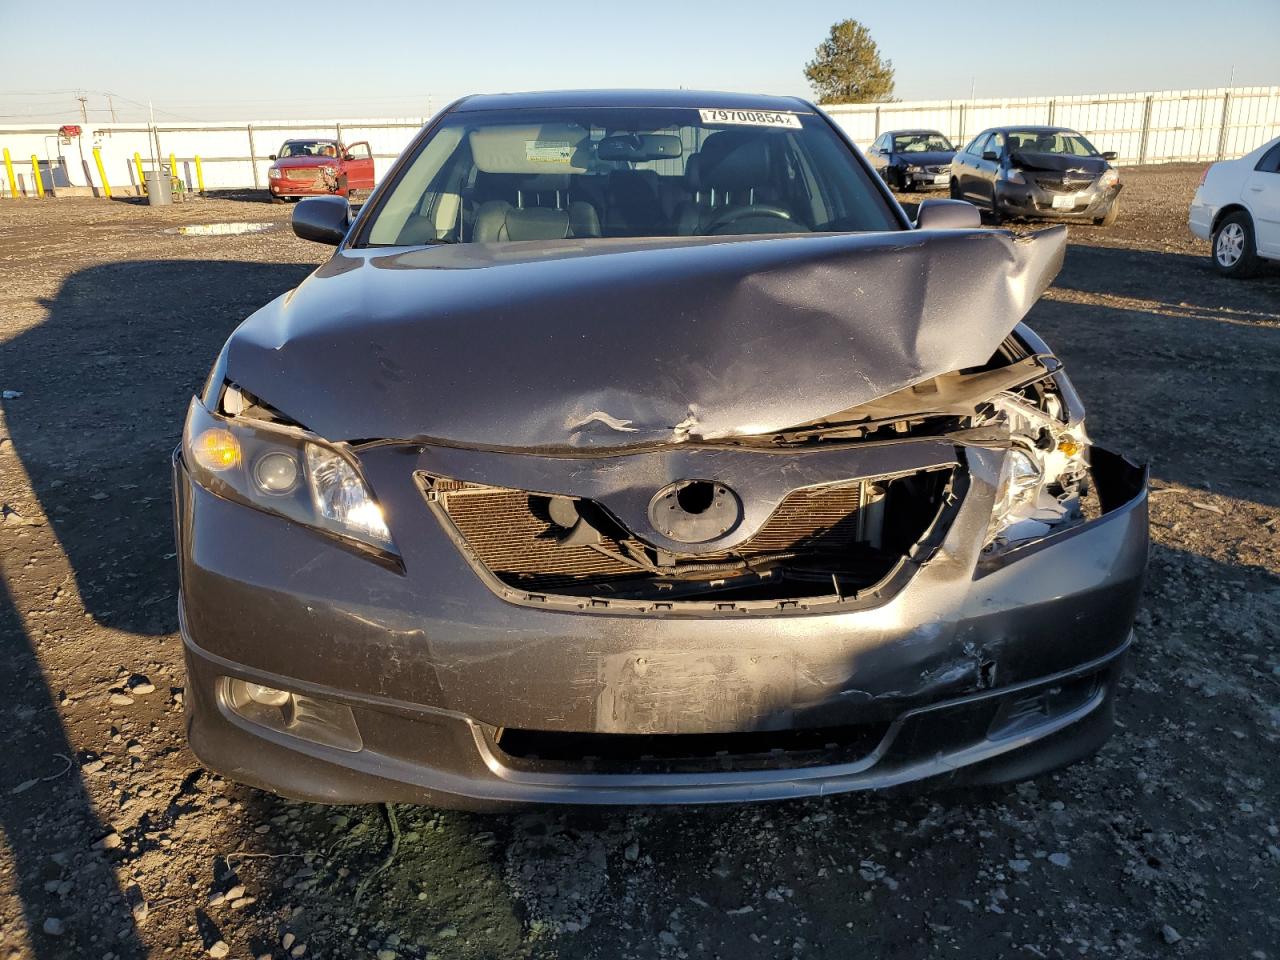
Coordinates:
173	168
13	181
102	173
35	172
199	174
142	181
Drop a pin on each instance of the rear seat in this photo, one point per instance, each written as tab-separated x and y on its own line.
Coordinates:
538	208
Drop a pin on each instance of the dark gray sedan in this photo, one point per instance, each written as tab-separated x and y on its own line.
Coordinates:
635	447
1037	173
912	159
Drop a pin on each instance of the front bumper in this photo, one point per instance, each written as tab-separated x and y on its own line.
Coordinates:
1032	201
306	187
927	181
975	671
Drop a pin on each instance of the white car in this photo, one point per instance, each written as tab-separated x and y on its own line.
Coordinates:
1237	207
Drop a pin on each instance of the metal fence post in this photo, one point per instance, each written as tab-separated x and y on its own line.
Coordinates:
338	128
1226	122
1052	105
877	122
1146	129
253	158
963	134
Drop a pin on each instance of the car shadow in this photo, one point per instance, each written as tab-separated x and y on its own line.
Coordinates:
99	391
105	383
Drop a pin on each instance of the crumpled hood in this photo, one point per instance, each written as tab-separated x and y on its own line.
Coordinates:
607	343
1030	160
927	158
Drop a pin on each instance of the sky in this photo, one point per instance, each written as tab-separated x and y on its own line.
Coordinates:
235	59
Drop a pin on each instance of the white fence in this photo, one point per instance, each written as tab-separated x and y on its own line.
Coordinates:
1160	127
1157	127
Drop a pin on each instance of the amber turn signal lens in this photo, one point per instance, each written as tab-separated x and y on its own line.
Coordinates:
216	450
1069	446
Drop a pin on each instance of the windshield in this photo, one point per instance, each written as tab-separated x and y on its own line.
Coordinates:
498	176
308	148
1041	141
922	143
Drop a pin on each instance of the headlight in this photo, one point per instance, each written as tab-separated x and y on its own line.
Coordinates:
284	471
1042	479
914	168
273	173
1014	175
1109	178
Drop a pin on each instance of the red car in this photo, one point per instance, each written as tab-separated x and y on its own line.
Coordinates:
308	168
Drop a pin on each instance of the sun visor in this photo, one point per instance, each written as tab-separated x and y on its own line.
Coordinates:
531	148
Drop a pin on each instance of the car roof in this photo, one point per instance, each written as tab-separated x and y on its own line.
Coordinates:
908	130
630	98
1031	128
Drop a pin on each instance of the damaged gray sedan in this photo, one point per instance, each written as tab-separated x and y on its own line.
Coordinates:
636	448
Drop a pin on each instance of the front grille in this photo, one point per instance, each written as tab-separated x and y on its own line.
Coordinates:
1059	184
656	753
514	538
301	174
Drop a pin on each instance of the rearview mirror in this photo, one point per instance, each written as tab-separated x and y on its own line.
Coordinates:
638	147
1110	155
322	219
990	155
272	157
947	215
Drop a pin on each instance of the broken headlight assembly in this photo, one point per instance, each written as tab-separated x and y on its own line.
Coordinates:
1044	475
283	470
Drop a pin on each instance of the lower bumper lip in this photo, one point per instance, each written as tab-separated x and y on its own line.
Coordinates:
992	737
438	666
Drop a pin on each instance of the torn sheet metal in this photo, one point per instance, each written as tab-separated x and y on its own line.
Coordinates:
600	344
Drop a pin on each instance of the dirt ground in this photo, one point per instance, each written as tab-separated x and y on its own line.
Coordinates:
115	843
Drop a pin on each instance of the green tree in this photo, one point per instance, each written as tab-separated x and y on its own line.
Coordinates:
848	68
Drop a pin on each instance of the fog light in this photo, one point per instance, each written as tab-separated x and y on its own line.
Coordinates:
314	719
267	696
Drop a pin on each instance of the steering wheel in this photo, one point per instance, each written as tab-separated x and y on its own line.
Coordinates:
751	210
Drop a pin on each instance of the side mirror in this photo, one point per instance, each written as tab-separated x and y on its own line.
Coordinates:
946	215
322	219
272	156
990	155
348	156
1110	155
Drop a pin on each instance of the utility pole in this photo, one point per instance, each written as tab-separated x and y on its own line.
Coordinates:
112	107
84	113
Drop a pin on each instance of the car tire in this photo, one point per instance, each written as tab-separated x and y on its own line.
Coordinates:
276	199
1235	252
1111	216
954	189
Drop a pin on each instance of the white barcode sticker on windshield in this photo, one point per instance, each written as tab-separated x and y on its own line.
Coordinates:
751	118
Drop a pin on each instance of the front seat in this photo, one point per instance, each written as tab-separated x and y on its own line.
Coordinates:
731	185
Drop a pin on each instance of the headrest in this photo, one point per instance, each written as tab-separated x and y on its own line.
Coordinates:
537	223
732	160
531	148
